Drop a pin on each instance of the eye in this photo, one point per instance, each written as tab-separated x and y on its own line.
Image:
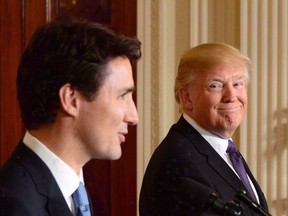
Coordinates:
126	93
215	86
122	96
238	84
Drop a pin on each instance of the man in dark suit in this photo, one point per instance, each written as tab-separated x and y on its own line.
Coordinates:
74	88
211	88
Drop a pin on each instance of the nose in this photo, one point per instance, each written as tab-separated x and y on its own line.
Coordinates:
229	93
132	114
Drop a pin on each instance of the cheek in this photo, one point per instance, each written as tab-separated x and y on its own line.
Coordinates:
208	101
114	115
243	96
245	101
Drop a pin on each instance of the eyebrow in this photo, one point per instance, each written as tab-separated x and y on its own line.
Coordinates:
221	80
215	79
131	89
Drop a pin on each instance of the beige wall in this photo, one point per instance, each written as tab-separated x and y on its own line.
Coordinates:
259	29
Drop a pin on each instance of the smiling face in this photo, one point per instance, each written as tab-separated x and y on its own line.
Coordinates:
217	100
103	122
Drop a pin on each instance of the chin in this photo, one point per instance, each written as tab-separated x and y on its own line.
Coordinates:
116	158
112	155
116	155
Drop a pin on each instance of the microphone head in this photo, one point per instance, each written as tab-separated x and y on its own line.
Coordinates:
195	192
205	199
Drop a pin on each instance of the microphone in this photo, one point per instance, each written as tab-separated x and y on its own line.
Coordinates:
206	200
243	197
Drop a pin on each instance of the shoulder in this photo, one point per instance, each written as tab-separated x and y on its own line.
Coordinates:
22	173
16	179
18	192
19	183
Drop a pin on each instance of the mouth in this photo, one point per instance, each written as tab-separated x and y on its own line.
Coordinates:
229	109
122	136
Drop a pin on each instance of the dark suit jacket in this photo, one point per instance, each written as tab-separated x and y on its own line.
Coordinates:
28	188
184	153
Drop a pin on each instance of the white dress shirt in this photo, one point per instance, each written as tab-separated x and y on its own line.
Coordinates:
219	145
66	178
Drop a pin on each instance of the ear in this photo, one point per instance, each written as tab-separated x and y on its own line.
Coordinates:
185	99
69	99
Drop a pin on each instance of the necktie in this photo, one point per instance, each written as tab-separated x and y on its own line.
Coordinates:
237	163
81	201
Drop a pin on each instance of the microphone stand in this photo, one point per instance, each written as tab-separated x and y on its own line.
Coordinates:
224	208
242	196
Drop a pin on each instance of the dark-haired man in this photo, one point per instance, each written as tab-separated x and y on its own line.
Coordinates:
75	88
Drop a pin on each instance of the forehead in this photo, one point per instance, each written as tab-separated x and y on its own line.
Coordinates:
119	73
223	73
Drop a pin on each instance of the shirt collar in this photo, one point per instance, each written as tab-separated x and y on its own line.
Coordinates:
66	178
219	144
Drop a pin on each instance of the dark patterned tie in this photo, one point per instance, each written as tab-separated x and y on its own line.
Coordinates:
237	163
81	201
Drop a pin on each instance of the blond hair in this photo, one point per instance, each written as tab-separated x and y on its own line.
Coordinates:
208	57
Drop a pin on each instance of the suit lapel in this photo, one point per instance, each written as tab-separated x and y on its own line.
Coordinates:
260	193
43	180
54	207
214	160
56	204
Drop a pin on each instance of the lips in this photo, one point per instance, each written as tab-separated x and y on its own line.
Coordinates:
229	109
123	132
122	136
